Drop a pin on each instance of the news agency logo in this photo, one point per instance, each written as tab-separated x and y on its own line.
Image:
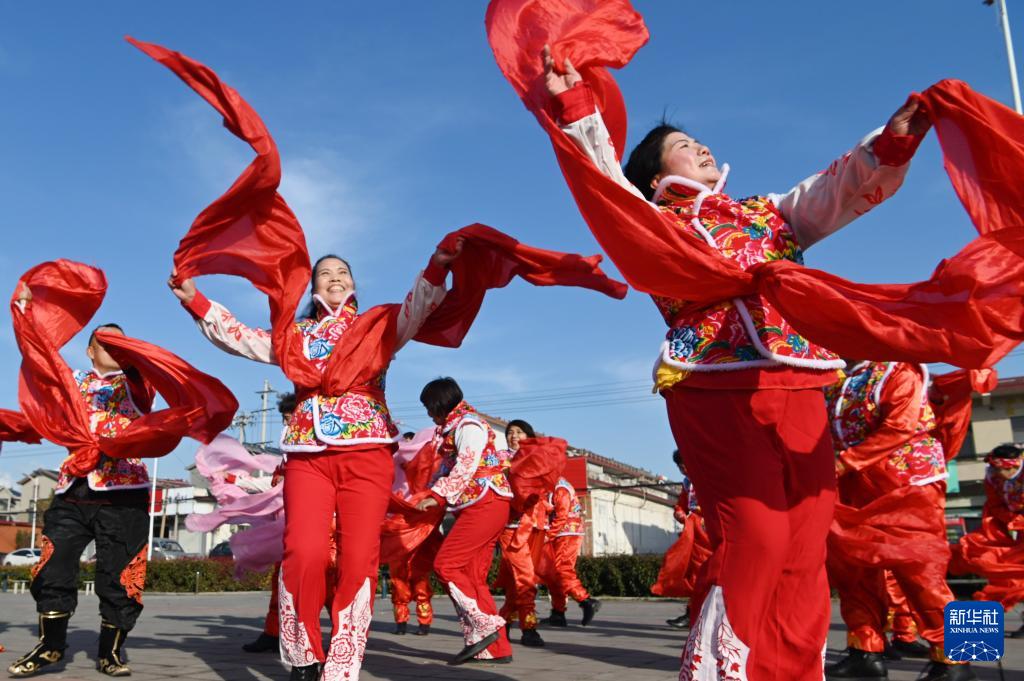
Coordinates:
973	631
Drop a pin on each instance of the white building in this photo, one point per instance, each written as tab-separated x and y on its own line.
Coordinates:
626	509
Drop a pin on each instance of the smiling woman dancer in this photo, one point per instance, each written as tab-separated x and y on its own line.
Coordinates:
339	461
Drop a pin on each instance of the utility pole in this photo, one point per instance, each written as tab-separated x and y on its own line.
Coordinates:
241	421
35	509
264	394
1004	21
152	510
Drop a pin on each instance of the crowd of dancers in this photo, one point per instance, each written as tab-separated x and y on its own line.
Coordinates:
813	470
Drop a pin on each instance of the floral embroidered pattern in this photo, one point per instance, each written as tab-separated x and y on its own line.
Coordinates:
749	231
458	480
133	577
713	651
111	411
47	551
476	624
348	645
573	522
336	419
296	649
856	413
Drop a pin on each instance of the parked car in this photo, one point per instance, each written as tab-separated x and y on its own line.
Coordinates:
167	549
23	557
222	550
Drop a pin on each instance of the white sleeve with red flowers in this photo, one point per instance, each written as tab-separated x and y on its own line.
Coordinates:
828	201
470	441
230	335
417	306
593	139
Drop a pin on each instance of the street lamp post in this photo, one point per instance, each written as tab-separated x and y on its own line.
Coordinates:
1004	21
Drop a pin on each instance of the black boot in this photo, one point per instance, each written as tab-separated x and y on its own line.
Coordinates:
53	635
424	630
590	608
681	622
311	672
264	643
557	619
890	653
470	651
400	628
940	671
911	649
858	665
109	659
531	639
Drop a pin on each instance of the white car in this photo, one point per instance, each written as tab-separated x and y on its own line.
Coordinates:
23	557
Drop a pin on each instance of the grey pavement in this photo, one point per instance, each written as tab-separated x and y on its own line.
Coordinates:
199	637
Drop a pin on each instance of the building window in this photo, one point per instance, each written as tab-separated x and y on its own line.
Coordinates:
1017	424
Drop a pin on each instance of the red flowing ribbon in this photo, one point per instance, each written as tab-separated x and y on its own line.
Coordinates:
251	232
65	296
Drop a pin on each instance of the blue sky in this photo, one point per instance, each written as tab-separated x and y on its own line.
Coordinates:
395	127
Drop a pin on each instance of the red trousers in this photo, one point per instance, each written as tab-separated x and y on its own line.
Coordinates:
462	565
410	580
901	621
557	570
863	598
272	622
518	578
762	463
355	484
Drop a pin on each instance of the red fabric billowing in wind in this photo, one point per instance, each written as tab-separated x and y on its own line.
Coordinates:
65	295
976	297
677	577
14	427
995	555
251	232
489	260
535	470
900	527
950	396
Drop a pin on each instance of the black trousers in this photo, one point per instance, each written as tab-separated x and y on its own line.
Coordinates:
118	521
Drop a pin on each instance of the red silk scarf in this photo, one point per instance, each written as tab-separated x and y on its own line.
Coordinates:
65	296
251	232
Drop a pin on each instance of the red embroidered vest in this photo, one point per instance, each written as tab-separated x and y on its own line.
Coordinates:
574	523
742	332
358	417
490	474
111	410
855	408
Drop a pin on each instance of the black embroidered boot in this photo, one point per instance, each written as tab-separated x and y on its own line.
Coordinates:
53	635
110	660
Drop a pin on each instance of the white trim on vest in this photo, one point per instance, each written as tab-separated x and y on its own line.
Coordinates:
770	358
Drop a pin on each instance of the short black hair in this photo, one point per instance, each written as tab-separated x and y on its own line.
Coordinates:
286	403
92	335
521	425
677	458
408	435
440	396
645	160
1007	451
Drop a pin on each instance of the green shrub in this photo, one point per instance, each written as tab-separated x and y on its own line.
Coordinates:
623	575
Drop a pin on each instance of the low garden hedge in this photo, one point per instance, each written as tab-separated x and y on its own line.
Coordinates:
602	576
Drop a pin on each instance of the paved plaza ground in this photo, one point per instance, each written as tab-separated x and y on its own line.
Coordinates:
199	637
